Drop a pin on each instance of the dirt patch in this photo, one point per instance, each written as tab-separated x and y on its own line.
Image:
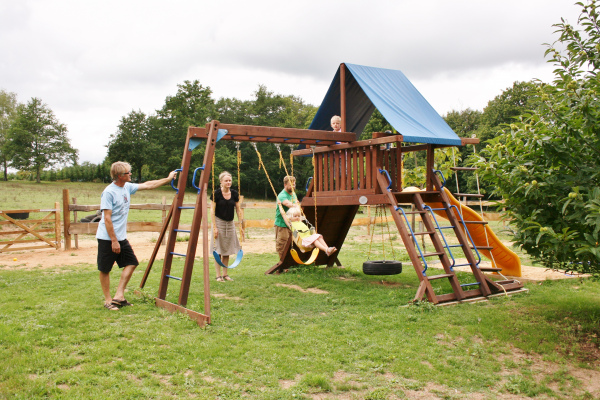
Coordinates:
298	288
528	274
143	244
224	296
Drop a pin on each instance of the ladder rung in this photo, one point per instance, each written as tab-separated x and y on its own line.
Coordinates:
470	284
479	196
424	233
437	253
181	230
445	227
482	247
441	276
178	254
414	212
476	222
462	265
463	169
173	277
455	245
490	269
186	208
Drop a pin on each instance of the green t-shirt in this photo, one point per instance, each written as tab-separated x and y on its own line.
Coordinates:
283	196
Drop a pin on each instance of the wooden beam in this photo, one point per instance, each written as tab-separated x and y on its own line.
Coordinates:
274	134
354	144
200	319
343	95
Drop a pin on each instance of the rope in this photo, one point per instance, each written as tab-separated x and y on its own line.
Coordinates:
261	164
314	163
291	158
239	162
372	232
212	222
389	234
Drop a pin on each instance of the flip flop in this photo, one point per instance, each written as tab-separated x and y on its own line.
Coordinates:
227	278
120	303
111	307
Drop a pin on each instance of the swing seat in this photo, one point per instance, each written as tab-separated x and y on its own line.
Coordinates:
298	241
238	259
311	260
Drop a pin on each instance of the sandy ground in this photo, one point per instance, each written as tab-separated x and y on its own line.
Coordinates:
143	243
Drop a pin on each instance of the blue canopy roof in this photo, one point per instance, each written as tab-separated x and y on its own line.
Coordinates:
394	96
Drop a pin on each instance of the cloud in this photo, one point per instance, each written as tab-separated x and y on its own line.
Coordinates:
94	62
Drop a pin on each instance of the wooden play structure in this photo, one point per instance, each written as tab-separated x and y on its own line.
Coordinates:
348	173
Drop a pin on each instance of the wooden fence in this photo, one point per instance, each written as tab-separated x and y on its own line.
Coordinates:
74	227
20	234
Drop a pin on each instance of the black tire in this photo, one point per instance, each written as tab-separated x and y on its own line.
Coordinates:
382	267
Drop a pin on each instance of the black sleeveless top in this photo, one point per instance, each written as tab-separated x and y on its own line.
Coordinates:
225	209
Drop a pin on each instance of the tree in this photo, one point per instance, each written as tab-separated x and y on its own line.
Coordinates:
546	165
130	143
191	106
37	140
8	109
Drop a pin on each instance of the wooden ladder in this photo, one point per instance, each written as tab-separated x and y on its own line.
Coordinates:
199	221
442	250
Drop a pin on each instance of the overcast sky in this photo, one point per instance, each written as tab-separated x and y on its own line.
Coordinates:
94	62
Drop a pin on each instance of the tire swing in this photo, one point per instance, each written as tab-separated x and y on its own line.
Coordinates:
381	267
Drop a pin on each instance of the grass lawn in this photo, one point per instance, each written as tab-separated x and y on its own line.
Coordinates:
311	333
353	338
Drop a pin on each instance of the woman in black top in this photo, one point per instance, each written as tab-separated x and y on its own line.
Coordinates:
225	240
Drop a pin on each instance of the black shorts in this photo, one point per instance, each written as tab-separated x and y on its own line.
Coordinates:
106	257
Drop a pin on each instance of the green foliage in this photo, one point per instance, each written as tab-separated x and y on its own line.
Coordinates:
37	140
8	109
546	164
131	142
377	123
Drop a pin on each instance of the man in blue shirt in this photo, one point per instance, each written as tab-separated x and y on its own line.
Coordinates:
112	231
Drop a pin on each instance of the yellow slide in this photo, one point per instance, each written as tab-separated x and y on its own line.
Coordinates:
504	257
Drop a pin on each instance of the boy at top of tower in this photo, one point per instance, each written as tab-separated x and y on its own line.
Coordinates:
336	123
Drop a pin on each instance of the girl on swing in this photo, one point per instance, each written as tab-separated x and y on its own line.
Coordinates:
294	216
225	241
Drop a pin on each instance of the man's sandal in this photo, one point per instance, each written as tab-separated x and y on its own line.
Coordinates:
220	279
120	303
111	307
227	278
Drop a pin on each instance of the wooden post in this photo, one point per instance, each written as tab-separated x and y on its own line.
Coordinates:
57	224
429	166
164	216
66	219
76	237
205	251
343	95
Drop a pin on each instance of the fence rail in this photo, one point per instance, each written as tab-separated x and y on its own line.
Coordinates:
74	227
45	232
